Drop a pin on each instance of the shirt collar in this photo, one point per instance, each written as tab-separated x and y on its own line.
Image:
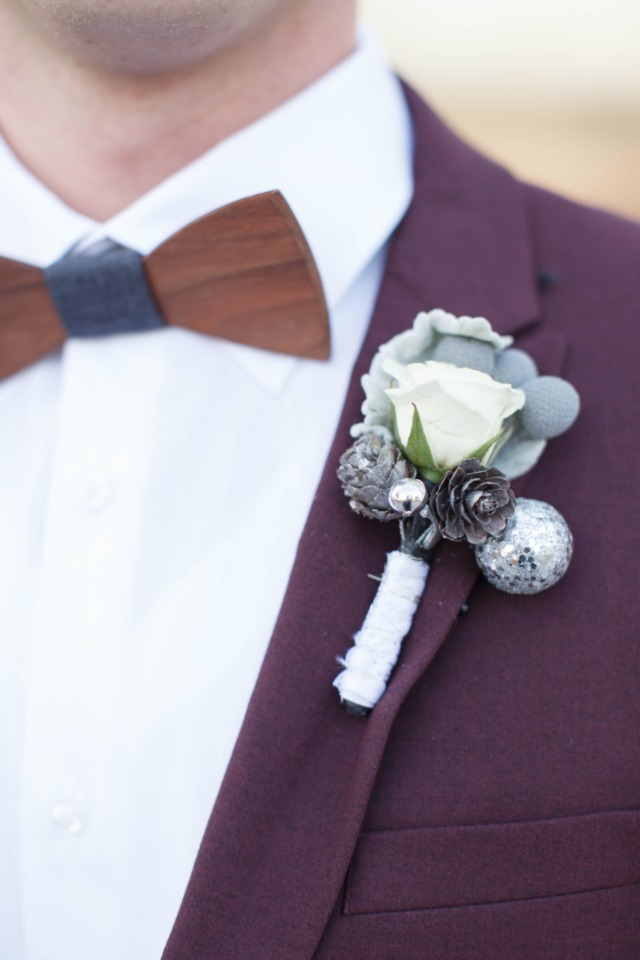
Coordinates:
339	151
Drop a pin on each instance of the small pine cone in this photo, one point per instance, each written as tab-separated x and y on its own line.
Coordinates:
472	502
367	471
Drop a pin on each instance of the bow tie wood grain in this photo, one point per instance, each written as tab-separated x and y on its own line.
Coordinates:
244	273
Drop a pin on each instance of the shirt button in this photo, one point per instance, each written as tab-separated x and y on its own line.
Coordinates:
95	490
67	818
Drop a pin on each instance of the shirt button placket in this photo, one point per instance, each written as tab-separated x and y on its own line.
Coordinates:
95	489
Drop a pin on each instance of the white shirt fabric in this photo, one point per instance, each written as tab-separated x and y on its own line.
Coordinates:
153	489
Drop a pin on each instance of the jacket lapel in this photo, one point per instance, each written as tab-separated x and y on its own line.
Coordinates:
279	841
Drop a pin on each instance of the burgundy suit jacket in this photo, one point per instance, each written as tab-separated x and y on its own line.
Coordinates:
489	808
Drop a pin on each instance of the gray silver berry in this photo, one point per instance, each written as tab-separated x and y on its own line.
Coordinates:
551	408
515	367
465	352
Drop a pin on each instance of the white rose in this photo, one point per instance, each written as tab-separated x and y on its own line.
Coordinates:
460	412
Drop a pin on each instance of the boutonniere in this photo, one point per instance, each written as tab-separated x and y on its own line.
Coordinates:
452	414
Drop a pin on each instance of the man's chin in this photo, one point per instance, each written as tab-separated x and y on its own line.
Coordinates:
144	36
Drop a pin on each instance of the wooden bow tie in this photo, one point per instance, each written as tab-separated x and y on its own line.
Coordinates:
243	273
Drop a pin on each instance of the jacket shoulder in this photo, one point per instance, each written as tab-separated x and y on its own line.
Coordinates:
586	243
592	246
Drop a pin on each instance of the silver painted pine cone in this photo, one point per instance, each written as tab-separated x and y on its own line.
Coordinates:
368	470
472	502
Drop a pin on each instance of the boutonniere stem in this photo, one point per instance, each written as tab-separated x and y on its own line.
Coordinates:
376	647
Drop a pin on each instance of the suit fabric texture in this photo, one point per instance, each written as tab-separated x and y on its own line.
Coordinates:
489	808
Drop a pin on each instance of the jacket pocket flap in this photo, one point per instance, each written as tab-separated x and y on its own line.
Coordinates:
422	869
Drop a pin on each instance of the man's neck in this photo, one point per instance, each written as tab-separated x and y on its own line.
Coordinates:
101	139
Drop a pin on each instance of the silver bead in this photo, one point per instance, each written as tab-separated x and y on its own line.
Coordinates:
407	496
533	553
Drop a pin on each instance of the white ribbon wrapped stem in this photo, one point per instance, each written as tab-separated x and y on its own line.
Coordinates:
369	662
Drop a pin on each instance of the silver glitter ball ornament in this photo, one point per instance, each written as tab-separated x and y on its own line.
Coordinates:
533	553
407	496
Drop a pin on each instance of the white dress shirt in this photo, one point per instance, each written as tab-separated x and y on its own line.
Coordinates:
153	489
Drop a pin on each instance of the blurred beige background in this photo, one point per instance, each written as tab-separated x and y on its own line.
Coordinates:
550	88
